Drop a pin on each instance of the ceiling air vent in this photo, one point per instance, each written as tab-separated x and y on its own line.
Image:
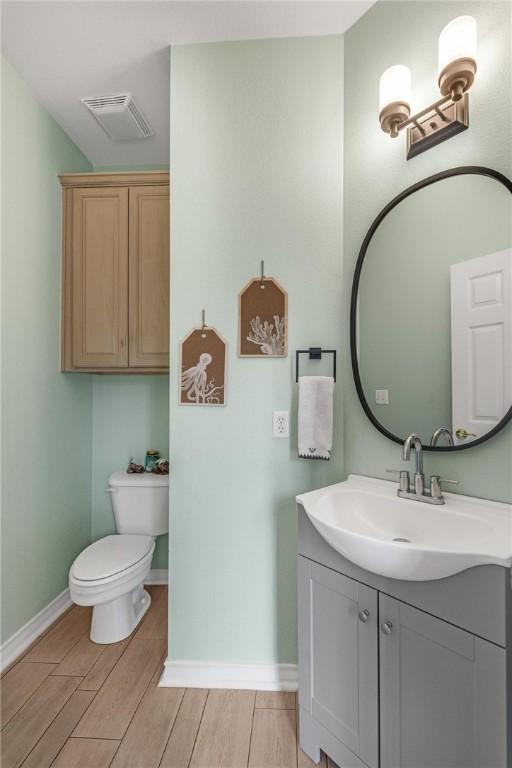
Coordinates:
119	116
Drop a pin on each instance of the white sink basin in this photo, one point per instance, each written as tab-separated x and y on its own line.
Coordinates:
364	520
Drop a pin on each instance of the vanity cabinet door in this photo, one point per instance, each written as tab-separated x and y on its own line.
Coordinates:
442	693
338	655
99	307
149	277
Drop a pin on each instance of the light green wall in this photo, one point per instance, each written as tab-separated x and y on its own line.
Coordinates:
376	170
256	139
130	414
63	434
404	304
46	415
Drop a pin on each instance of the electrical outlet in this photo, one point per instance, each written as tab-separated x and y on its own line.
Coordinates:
382	397
281	424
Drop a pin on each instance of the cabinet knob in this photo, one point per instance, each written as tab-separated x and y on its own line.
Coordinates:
386	627
364	615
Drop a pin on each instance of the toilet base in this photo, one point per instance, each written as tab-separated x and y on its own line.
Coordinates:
115	620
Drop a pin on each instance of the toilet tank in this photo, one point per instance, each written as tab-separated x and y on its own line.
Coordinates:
140	502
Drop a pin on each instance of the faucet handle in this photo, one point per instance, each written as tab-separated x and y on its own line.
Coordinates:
444	480
403	474
435	485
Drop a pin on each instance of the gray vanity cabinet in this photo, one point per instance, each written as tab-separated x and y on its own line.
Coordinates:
339	661
442	693
397	674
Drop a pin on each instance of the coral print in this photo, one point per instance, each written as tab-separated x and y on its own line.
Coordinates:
270	337
263	319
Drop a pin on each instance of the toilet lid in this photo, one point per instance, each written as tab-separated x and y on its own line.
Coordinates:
110	556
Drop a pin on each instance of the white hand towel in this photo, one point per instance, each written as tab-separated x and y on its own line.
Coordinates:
315	416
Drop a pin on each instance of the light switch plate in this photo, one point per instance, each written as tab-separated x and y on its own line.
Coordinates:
281	424
382	396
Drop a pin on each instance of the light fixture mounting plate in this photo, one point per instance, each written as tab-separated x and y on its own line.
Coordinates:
438	125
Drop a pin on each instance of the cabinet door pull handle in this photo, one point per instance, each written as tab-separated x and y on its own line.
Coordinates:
364	615
386	627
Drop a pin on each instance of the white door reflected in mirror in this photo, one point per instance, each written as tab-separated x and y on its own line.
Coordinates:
481	321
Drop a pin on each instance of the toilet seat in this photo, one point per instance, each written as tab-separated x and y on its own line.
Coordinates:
106	581
111	557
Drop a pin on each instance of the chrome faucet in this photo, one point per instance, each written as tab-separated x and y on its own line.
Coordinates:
442	431
419	477
418	492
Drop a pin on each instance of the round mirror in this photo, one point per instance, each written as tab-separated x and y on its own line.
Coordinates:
431	311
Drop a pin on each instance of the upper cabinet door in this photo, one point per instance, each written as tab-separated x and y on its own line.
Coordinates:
149	277
442	693
100	277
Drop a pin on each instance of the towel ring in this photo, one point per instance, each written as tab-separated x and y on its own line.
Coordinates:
315	353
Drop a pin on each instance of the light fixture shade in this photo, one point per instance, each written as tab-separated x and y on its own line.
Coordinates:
457	41
395	86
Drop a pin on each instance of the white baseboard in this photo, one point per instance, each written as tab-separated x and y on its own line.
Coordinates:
157	576
204	674
25	636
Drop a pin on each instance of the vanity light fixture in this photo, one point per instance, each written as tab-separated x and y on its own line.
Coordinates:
445	117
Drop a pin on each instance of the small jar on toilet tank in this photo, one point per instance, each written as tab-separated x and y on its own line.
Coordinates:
152	457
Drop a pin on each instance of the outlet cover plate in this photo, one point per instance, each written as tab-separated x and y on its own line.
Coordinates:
280	424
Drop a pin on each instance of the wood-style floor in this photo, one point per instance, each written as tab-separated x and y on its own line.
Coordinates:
69	703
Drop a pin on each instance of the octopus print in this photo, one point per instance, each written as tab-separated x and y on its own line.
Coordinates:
194	381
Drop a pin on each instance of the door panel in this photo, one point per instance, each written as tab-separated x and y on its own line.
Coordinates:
149	277
338	657
442	694
481	317
100	277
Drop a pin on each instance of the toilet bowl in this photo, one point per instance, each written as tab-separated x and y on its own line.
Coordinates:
110	573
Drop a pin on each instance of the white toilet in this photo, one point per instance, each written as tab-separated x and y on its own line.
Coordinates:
109	574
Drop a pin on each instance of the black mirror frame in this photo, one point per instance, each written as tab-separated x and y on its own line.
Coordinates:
460	171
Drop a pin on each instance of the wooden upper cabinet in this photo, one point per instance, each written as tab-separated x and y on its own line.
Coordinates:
115	307
149	277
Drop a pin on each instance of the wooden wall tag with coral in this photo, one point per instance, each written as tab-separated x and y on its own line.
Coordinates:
263	319
203	368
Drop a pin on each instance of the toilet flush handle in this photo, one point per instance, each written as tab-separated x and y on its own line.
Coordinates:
111	490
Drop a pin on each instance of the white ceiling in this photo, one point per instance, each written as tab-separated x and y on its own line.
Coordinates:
67	50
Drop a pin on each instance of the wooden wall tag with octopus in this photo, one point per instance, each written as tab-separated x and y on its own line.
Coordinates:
203	368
